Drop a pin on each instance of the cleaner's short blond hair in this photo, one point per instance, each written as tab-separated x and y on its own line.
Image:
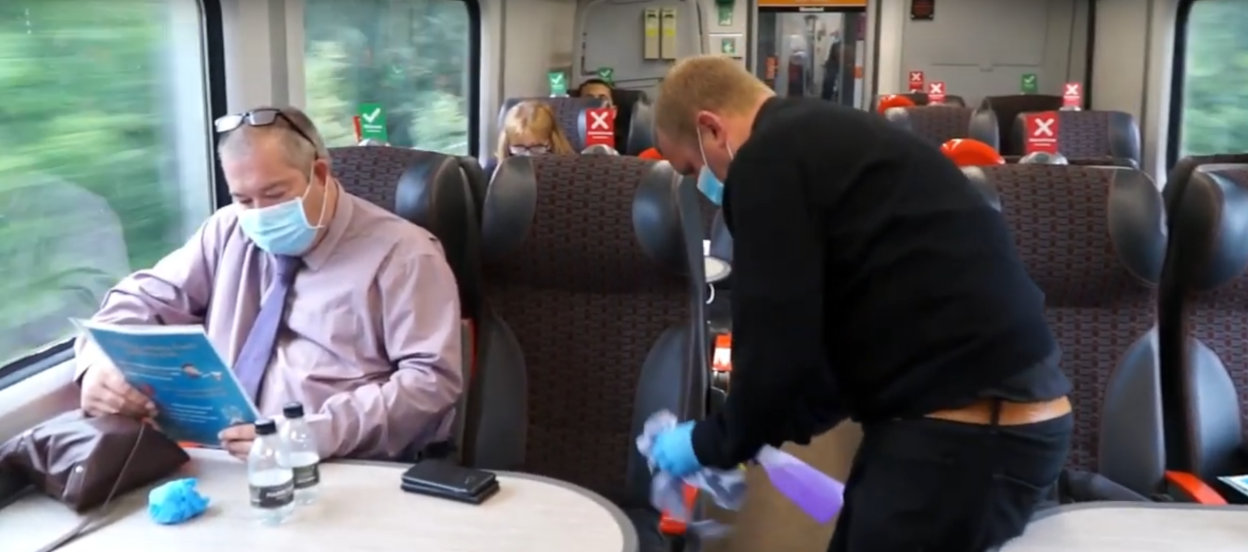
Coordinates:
703	83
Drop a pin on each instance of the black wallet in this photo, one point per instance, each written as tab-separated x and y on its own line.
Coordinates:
442	479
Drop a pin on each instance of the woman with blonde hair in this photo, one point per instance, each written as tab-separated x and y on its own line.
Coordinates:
529	128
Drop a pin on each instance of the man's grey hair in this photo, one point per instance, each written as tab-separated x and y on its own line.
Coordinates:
299	153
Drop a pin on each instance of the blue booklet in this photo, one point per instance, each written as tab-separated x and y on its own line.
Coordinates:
195	392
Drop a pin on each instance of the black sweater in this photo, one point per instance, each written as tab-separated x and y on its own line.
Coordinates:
870	279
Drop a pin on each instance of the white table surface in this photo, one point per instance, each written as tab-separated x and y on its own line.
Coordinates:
360	508
1135	527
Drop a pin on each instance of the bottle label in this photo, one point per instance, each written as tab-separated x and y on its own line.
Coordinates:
307	476
273	496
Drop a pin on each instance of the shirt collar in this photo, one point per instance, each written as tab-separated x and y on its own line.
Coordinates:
338	224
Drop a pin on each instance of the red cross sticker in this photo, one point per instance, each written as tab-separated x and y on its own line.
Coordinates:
1041	132
916	81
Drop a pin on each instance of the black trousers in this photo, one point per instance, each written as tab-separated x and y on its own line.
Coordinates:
927	485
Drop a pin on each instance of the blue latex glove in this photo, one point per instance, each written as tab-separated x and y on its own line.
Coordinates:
175	502
673	451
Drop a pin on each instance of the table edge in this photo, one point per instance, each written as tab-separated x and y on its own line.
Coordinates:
632	542
1068	508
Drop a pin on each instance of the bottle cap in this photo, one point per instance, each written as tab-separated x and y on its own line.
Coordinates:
292	410
265	426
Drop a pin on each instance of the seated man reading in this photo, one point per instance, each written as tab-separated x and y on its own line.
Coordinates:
312	294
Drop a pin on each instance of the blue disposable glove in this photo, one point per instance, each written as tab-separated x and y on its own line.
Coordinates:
673	451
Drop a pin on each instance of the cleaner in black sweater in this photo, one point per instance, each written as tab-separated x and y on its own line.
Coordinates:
870	279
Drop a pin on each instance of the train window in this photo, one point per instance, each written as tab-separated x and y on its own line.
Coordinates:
1213	116
411	56
104	156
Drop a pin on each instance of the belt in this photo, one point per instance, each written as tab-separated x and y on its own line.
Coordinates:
1006	413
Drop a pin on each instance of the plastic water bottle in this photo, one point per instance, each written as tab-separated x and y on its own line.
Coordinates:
270	479
301	453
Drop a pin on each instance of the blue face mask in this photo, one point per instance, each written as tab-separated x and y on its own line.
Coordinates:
709	184
281	229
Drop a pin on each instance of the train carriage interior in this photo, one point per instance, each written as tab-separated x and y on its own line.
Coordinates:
589	282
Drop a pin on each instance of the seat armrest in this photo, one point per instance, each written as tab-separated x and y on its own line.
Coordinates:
671	527
1186	487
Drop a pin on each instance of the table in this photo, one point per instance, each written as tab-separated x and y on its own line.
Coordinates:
1135	527
360	508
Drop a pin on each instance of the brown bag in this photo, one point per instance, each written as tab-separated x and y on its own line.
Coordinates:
84	461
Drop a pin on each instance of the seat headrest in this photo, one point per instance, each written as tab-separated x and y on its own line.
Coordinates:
1066	218
373	172
640	129
1090	134
605	219
968	152
599	149
1211	222
1007	109
941	123
979	181
1043	158
569	114
1177	178
890	101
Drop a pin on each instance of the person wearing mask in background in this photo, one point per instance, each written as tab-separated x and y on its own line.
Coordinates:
869	279
529	128
596	88
312	295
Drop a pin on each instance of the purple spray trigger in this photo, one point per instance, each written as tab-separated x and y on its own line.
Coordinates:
815	492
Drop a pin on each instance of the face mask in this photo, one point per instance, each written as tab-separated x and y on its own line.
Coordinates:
282	229
709	184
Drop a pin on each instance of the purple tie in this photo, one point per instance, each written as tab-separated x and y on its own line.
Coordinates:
253	360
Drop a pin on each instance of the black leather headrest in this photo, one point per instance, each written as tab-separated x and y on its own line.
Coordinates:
1211	223
640	129
572	210
979	181
569	114
1137	223
1177	178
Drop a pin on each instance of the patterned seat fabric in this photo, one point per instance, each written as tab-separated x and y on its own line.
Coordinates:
568	115
1095	135
1007	109
586	301
1096	307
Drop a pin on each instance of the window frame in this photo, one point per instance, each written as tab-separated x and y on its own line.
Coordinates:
213	63
1178	81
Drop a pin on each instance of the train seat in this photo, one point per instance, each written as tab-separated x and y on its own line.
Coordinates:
1007	109
478	181
634	109
1093	241
1182	171
939	124
569	115
920	99
431	190
1204	318
596	291
1106	138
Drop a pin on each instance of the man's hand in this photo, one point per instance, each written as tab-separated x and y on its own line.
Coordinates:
105	391
237	440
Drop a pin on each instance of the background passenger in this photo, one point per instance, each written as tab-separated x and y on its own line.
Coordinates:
529	128
596	88
312	294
